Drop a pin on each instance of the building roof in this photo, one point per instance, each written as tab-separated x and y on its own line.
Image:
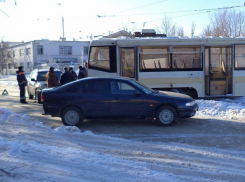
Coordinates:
119	34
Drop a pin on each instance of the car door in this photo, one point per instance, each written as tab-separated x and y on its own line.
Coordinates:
127	101
94	98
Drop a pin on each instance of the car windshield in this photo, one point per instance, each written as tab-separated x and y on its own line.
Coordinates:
144	88
42	75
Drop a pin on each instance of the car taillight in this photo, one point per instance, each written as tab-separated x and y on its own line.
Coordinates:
42	98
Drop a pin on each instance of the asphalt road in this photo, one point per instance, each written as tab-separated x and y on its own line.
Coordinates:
193	131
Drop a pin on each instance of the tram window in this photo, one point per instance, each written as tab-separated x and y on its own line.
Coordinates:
100	57
240	57
186	61
154	58
186	49
162	49
154	61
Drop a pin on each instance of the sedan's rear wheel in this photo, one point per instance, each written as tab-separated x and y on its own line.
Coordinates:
72	116
166	116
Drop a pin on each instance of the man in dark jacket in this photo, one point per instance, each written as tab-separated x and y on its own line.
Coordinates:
82	72
73	73
66	77
22	82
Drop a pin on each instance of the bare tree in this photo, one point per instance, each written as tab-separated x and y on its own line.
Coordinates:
167	25
240	26
174	30
207	31
124	27
193	28
180	32
225	23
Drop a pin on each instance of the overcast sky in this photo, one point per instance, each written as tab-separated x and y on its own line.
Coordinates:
40	19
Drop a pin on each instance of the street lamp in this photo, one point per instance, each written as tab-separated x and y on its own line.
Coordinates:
63	39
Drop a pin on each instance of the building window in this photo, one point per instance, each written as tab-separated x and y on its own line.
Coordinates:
14	53
85	50
28	64
15	66
28	51
9	66
40	49
21	52
9	54
65	50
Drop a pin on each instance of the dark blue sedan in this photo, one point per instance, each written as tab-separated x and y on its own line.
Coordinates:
116	97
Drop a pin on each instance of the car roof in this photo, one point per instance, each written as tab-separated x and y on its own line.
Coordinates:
39	70
109	77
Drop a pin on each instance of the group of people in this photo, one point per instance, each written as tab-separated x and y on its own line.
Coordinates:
70	75
52	81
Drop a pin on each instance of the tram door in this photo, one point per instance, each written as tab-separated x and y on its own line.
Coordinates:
218	71
128	62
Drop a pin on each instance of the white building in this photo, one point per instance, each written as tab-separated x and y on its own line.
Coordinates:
43	53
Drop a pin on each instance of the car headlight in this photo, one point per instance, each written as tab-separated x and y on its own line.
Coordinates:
190	103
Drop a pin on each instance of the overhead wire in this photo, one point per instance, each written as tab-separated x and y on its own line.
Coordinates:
215	9
181	11
4	13
140	7
100	16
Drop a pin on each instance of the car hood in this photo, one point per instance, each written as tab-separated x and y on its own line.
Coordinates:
172	94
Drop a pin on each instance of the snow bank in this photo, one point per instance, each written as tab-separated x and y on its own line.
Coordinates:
6	76
8	81
222	109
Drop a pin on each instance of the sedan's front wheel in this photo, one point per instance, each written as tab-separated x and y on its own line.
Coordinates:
72	116
166	116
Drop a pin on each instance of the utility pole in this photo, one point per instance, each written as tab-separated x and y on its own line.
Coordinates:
63	29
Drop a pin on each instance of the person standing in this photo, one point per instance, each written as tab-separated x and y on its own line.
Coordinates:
73	74
51	79
66	77
22	82
82	72
65	69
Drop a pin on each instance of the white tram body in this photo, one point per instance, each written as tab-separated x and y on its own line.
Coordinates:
200	67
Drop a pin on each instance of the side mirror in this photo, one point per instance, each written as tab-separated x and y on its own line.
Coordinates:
137	93
33	80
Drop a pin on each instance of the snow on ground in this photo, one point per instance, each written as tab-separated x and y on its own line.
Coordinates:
6	76
8	81
31	151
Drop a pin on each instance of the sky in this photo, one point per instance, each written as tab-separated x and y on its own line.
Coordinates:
26	20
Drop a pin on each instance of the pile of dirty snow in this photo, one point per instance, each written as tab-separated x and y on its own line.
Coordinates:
222	109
